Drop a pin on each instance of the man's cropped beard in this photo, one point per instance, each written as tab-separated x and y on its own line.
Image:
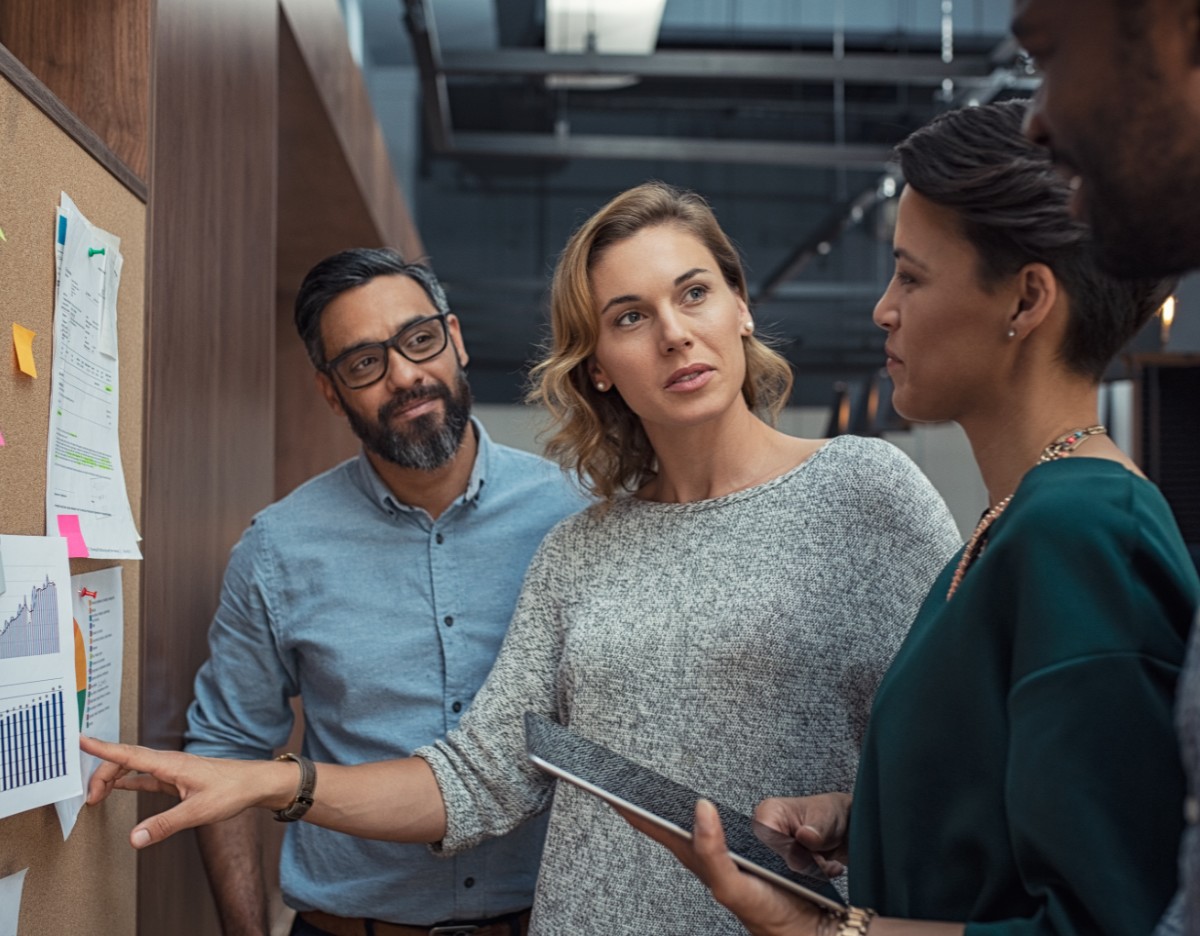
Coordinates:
427	442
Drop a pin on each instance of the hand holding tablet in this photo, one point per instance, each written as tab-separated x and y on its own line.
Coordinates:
642	792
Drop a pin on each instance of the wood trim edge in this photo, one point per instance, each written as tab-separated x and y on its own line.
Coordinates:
49	104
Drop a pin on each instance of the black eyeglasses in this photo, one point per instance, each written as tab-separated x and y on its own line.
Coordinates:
417	341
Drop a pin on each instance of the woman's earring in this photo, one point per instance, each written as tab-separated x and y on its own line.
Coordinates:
1012	333
749	328
601	386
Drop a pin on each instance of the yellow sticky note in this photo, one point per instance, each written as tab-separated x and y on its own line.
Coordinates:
23	342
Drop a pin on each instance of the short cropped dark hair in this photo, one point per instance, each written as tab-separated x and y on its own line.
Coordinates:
1012	204
345	271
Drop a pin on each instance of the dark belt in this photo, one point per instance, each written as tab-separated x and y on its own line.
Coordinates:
512	924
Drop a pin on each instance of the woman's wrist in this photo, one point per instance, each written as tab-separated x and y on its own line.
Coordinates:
856	921
279	784
303	798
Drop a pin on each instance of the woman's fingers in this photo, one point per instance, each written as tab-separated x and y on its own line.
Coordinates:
144	783
765	909
187	815
819	823
209	789
118	761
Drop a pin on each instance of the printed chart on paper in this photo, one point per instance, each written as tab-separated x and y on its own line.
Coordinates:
39	723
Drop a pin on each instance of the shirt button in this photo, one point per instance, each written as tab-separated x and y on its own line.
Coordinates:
456	707
469	882
448	620
440	539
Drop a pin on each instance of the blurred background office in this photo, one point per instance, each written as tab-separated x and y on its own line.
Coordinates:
255	137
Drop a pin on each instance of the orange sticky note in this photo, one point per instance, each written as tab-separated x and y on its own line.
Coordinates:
23	342
68	526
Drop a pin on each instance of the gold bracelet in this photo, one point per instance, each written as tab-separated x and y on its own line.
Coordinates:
856	922
828	924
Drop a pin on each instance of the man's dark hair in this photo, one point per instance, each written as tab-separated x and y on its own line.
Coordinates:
1012	204
347	270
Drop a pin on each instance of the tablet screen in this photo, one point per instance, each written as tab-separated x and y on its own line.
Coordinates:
592	767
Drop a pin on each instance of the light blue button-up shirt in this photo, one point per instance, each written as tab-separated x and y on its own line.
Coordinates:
386	621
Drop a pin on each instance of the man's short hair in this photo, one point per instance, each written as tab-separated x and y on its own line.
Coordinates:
345	271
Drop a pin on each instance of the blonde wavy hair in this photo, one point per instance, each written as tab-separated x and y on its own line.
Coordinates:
595	434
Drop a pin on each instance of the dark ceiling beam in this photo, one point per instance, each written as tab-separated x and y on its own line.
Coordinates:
867	68
519	290
825	234
418	17
676	149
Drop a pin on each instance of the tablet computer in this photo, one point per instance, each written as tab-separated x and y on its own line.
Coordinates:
755	848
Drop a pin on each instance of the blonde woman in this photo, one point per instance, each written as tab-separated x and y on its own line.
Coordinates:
724	615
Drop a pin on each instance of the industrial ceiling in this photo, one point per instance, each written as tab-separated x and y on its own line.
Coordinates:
782	113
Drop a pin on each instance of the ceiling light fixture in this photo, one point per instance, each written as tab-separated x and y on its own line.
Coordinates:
612	27
1167	315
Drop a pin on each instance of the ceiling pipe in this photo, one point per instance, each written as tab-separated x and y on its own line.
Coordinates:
715	65
674	149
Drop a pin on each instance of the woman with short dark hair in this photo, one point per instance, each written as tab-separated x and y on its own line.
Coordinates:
1020	771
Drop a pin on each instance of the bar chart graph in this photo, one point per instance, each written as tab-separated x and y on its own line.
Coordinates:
32	736
39	723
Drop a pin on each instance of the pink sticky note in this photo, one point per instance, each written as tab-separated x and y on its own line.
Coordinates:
2	442
68	526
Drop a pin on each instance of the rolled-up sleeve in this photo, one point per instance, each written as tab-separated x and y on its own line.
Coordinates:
241	707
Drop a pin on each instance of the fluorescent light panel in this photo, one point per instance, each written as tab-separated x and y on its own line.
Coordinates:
614	27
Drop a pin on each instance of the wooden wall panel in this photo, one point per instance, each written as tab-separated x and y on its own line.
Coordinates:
336	190
321	211
320	37
210	378
94	56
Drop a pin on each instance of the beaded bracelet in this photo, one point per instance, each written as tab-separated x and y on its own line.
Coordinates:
856	922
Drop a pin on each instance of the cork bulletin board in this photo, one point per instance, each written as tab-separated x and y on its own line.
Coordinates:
87	883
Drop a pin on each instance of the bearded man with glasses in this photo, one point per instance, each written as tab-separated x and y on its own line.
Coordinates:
380	592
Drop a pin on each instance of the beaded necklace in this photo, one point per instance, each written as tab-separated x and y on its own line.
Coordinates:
1061	447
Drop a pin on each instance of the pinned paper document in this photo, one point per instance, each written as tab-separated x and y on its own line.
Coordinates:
40	763
11	888
23	343
98	606
84	475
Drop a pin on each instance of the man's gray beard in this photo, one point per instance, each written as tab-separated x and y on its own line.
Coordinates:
427	443
422	448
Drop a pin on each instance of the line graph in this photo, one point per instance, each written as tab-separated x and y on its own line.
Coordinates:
39	727
33	629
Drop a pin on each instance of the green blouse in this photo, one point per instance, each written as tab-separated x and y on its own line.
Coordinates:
1020	770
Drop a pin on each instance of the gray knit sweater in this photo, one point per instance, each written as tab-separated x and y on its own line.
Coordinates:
732	644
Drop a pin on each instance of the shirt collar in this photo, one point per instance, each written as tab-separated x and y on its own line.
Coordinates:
375	488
